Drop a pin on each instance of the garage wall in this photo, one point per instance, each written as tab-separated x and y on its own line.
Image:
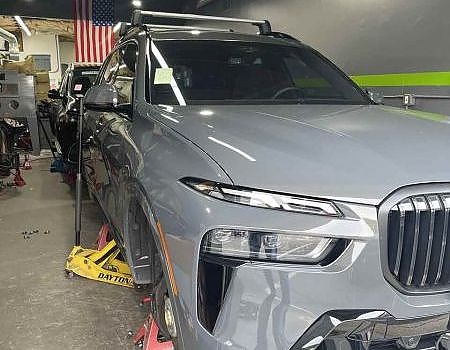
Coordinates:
40	43
370	37
67	52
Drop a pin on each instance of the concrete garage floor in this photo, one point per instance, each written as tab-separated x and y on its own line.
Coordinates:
39	307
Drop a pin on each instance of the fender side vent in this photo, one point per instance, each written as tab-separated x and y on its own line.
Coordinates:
214	278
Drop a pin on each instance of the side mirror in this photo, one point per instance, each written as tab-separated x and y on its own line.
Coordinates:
104	98
54	94
376	97
101	98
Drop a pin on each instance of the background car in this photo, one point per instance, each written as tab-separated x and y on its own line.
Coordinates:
77	79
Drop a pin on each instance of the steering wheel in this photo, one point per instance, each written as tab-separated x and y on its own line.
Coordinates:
283	91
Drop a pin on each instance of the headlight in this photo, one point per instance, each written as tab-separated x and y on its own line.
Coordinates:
263	199
275	247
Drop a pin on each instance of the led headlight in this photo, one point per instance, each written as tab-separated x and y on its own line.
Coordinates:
263	199
267	246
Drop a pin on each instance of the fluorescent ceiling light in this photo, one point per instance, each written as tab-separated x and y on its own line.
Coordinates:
137	3
22	25
117	27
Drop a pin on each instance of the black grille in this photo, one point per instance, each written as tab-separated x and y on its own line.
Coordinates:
418	242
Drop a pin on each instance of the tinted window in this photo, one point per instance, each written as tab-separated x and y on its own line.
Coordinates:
83	79
120	71
126	72
64	82
240	72
110	68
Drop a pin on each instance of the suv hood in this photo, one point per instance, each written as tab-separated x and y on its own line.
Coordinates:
353	153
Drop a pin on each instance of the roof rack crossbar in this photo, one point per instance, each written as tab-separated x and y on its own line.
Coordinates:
175	27
126	25
263	25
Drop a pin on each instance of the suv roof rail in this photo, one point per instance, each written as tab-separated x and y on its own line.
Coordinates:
176	27
263	25
125	26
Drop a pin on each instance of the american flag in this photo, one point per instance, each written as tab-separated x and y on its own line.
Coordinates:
93	29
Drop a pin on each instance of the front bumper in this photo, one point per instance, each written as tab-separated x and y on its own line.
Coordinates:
274	306
368	329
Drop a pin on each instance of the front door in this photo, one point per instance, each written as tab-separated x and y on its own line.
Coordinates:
104	158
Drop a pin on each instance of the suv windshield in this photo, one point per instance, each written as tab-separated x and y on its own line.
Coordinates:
83	79
234	72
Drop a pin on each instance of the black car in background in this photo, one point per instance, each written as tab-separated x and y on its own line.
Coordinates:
77	80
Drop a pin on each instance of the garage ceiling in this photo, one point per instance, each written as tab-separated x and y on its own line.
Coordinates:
56	16
62	27
63	8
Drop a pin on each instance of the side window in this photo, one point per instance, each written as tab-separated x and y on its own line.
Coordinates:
110	69
126	73
120	71
63	86
309	79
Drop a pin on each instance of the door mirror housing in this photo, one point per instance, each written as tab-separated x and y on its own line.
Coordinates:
54	94
101	98
376	97
104	98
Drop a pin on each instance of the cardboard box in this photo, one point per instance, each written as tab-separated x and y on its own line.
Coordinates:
42	77
41	88
26	67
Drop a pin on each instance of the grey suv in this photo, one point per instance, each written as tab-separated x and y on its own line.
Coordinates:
264	198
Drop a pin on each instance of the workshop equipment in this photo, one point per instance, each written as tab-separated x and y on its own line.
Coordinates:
17	101
27	163
102	264
10	132
147	337
103	237
43	114
18	179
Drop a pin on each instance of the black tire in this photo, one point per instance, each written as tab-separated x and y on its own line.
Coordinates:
160	293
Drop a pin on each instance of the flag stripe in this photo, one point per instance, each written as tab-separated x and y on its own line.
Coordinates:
78	31
97	45
109	34
75	36
84	24
94	45
93	34
102	40
91	37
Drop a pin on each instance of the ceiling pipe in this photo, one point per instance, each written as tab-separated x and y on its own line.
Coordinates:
11	39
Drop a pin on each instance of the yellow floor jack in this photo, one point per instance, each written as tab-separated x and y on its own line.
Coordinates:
102	264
